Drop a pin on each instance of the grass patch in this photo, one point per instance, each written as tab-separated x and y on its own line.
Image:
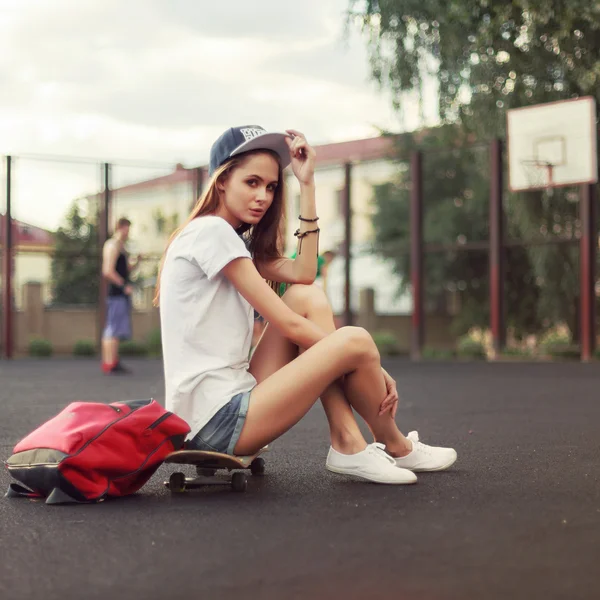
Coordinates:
387	343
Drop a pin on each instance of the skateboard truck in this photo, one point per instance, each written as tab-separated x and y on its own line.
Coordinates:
207	464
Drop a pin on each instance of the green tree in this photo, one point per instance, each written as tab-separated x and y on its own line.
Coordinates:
487	57
76	261
455	230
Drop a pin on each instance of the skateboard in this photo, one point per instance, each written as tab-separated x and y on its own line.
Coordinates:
207	464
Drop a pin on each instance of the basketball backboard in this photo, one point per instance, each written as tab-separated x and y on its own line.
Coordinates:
552	145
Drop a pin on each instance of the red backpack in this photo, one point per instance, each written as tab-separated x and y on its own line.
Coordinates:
91	451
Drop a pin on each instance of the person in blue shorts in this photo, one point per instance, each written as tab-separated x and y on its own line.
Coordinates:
117	269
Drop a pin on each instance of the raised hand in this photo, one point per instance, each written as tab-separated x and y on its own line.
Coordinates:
303	156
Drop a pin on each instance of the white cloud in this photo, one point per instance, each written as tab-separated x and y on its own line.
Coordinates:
157	80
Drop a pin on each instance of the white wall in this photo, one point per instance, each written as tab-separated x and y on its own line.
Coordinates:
367	270
174	202
329	183
32	266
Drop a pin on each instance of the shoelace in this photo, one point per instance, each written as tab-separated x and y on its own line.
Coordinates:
413	436
378	450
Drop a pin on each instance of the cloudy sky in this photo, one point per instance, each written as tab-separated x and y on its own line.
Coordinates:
158	80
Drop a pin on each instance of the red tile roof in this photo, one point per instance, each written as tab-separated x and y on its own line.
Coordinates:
355	150
25	235
180	174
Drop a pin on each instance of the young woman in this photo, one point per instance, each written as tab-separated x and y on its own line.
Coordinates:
210	281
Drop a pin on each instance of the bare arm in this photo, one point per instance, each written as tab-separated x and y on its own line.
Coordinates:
134	264
247	280
302	269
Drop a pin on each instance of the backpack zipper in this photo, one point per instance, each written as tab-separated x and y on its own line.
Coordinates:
159	421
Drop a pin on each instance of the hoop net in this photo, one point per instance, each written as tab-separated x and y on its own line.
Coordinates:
539	174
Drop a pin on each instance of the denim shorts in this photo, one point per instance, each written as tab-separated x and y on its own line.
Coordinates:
223	431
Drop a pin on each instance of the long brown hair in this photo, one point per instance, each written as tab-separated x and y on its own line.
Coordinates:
264	240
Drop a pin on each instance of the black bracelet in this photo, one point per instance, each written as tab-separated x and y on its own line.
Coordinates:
303	234
308	220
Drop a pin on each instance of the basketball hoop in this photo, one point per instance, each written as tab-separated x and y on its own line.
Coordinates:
551	145
539	174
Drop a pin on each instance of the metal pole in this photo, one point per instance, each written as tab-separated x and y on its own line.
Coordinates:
103	230
416	254
107	201
7	291
347	242
587	265
496	257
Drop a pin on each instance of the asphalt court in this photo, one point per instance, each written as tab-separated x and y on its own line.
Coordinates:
517	516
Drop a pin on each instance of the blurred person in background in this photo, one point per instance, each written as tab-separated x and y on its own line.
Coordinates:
323	262
117	270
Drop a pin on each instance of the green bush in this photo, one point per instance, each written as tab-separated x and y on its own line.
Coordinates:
559	344
131	348
467	347
554	341
84	348
154	343
387	343
437	353
512	351
40	347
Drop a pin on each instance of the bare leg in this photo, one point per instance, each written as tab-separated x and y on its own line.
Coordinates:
275	351
276	405
312	303
115	350
109	355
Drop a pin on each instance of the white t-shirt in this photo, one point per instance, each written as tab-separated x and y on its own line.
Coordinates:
206	324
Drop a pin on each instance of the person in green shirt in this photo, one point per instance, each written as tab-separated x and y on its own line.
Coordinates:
323	261
321	264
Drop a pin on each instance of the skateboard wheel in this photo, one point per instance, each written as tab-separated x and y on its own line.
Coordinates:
239	482
177	483
257	466
204	472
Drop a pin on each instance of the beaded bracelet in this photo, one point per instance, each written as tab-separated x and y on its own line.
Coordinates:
308	220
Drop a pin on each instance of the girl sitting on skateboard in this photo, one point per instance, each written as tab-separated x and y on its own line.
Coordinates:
226	260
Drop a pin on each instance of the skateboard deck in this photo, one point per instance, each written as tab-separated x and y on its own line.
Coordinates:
207	464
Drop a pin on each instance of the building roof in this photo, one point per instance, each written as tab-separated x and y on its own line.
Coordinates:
178	175
26	236
327	154
355	150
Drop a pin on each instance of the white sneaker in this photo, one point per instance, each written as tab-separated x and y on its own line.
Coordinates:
372	464
426	458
